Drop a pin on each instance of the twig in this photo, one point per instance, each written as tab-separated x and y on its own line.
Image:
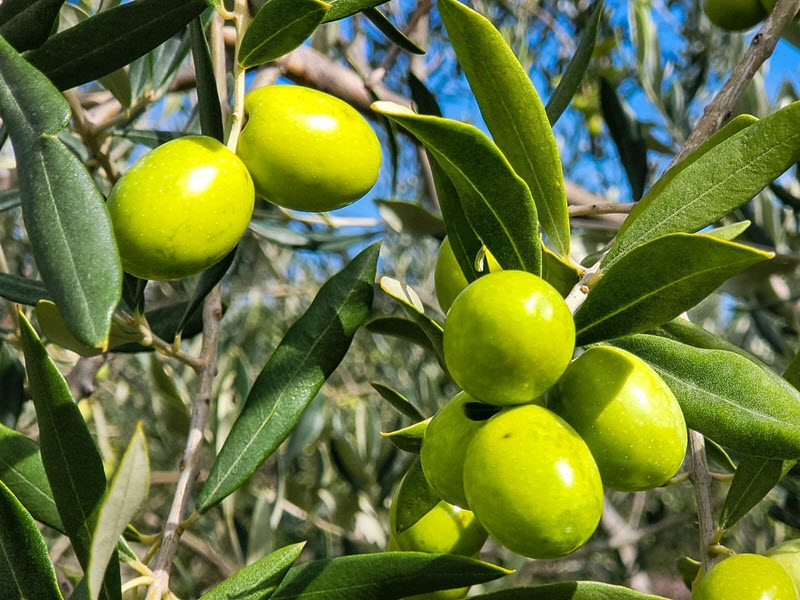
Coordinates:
701	482
89	135
760	49
81	378
603	208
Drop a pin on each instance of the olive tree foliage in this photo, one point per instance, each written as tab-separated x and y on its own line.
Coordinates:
133	454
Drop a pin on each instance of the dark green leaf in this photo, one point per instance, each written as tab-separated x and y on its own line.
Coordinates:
401	328
392	33
754	478
396	399
688	568
12	387
309	352
726	397
560	273
722	179
279	27
628	137
569	590
124	498
22	471
210	277
318	242
111	39
26	572
211	122
576	69
383	576
133	292
345	8
717	454
149	138
71	459
515	116
687	332
9	198
25	24
410	218
409	439
64	213
414	499
496	201
259	580
22	290
657	281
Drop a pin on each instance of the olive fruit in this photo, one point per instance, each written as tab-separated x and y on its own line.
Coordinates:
532	482
180	208
735	15
448	277
745	577
508	337
307	150
627	416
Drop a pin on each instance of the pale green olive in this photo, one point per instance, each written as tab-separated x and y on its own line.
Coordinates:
745	577
627	416
532	482
180	208
449	278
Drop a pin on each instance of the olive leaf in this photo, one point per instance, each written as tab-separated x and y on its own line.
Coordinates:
341	9
657	281
404	329
569	590
754	478
513	113
392	33
383	576
279	27
25	24
309	352
496	201
409	439
22	290
413	500
398	401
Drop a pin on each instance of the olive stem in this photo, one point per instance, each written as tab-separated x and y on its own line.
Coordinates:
604	208
701	482
242	21
89	136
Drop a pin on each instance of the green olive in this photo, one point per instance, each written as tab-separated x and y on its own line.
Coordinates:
180	208
532	482
508	337
745	577
627	416
735	15
788	556
769	6
449	278
444	447
307	150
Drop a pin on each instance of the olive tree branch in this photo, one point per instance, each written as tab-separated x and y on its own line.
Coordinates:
761	48
212	314
90	136
701	482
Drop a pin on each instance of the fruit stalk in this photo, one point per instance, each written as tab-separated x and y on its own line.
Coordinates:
701	482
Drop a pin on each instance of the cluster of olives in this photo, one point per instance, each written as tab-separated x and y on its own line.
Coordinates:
738	15
185	205
532	468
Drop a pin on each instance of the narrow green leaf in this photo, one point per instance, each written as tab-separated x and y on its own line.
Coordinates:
514	114
413	500
26	572
726	397
22	290
754	479
410	218
210	277
689	569
8	198
628	137
403	329
392	33
719	181
569	590
317	242
414	308
25	24
22	471
148	137
279	27
397	400
12	382
309	352
658	281
792	373
717	454
496	201
211	122
259	580
64	213
345	8
125	496
729	232
731	128
383	576
576	69
409	439
71	459
111	39
687	332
